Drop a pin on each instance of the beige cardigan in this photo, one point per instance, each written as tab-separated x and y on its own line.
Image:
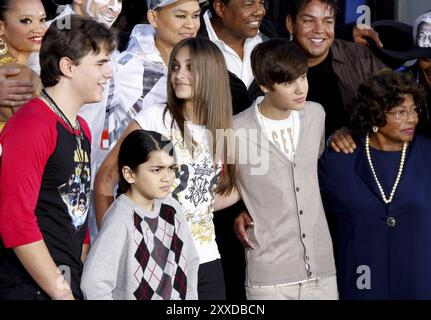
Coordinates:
291	235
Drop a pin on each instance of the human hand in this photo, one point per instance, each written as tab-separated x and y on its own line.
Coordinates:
64	296
360	36
241	225
14	92
341	140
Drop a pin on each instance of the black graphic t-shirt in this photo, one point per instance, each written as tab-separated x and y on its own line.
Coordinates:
44	191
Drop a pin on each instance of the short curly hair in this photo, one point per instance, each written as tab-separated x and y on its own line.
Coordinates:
379	94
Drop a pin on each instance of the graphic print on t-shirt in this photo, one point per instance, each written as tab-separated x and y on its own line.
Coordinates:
195	182
199	184
282	133
76	192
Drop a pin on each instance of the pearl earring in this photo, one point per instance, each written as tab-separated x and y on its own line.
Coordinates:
375	129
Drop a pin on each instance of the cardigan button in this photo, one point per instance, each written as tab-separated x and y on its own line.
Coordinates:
390	222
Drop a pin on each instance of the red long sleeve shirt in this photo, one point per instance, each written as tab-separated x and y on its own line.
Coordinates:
45	185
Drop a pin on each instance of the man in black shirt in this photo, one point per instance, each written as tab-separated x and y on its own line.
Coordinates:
324	93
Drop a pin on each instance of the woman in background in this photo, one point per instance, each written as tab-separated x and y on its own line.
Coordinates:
22	26
142	68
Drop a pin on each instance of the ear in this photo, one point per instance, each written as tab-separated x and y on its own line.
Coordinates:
152	18
264	89
289	24
128	174
66	67
2	27
219	8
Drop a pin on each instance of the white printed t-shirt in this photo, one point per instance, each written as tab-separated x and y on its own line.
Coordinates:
282	133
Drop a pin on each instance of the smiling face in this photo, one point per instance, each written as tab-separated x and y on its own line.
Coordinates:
103	11
23	27
288	95
241	18
175	22
314	30
181	75
90	76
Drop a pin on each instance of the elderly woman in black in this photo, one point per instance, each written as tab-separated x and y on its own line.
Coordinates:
377	198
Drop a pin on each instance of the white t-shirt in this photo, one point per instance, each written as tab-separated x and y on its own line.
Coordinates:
194	187
283	133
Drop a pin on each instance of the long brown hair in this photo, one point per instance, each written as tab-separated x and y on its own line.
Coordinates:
212	102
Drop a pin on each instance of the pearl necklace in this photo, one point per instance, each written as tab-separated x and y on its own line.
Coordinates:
400	170
290	133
